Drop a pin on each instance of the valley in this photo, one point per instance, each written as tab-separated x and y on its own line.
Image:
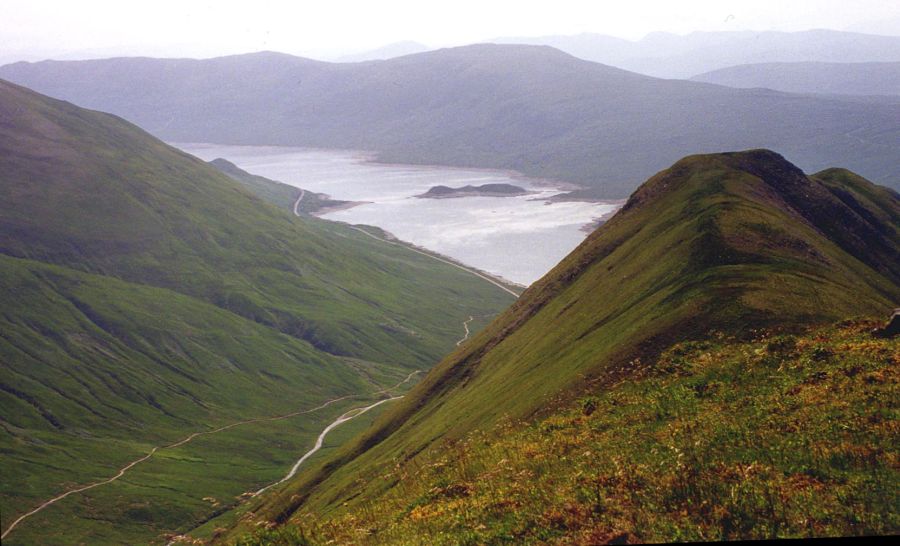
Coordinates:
568	289
130	322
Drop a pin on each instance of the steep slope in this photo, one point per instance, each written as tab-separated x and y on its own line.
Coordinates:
666	55
716	245
532	109
808	77
724	440
146	296
197	235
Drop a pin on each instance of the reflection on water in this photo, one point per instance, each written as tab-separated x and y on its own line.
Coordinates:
518	238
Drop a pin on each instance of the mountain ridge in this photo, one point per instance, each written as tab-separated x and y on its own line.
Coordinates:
669	55
712	246
532	109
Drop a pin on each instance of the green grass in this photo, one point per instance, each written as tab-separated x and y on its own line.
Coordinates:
727	242
781	436
336	438
146	296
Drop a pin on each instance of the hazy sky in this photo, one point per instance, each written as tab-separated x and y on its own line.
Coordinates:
69	29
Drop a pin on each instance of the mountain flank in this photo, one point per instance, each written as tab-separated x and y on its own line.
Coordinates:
715	251
146	297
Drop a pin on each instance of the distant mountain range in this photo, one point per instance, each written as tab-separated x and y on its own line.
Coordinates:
812	77
396	49
528	108
667	55
715	250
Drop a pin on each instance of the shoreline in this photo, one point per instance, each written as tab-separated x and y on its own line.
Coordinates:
369	157
595	223
391	238
337	208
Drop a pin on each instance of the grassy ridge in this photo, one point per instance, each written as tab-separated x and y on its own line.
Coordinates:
146	296
724	242
782	436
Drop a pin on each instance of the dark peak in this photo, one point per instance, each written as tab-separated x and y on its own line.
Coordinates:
770	167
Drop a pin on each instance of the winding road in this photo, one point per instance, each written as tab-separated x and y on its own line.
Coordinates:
466	326
318	445
356	412
121	472
297	202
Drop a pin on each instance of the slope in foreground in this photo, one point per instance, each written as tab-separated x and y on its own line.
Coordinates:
719	249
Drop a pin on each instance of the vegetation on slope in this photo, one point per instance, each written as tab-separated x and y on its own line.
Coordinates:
146	296
781	436
728	242
91	192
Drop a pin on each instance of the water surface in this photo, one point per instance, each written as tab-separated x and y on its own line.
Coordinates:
518	238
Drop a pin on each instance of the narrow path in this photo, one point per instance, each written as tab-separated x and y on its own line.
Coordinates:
356	412
297	202
408	377
187	439
466	326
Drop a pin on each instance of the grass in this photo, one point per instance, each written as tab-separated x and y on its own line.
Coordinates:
727	242
781	436
146	296
338	437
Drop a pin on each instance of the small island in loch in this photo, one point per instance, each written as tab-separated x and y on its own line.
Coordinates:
485	190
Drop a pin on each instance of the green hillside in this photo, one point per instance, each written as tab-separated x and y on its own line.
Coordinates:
781	436
721	246
147	296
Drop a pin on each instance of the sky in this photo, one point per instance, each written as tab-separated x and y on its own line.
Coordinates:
38	29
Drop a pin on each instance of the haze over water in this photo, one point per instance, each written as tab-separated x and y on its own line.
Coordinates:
518	238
